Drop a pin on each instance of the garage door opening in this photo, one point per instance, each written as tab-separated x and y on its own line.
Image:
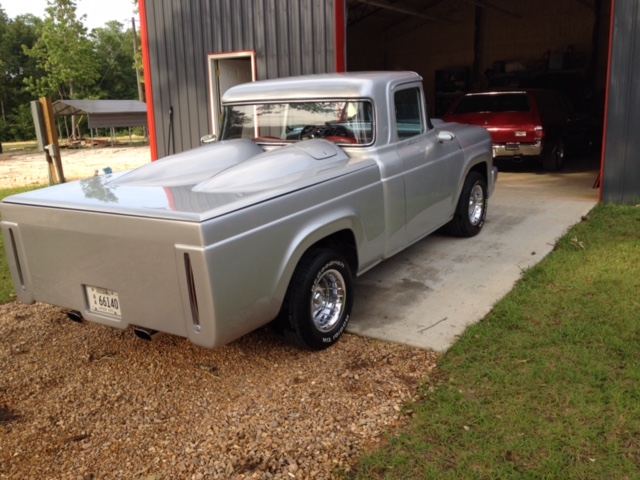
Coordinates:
460	47
464	46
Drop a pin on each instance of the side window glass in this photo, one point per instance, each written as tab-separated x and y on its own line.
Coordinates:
409	116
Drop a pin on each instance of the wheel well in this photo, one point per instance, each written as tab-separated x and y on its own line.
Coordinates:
481	168
344	242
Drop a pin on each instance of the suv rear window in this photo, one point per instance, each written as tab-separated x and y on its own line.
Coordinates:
495	102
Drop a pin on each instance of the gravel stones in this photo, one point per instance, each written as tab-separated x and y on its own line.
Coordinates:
83	401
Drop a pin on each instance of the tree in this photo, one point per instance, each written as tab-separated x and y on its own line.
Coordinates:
15	66
55	57
113	48
65	53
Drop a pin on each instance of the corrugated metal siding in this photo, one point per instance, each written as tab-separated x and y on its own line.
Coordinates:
290	37
621	179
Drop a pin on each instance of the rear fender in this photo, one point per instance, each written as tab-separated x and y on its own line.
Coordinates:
313	234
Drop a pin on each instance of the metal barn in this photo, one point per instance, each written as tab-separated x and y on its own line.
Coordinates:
194	50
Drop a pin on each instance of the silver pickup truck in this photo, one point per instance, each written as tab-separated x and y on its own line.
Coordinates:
312	180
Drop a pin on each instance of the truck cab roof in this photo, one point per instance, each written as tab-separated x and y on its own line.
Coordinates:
330	85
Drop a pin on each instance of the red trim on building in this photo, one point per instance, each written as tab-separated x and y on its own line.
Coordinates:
148	91
170	198
341	41
606	102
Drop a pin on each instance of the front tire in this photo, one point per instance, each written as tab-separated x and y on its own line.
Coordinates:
319	300
471	210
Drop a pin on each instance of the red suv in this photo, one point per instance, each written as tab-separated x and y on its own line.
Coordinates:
523	123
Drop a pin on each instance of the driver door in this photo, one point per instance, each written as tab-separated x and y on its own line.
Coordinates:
430	167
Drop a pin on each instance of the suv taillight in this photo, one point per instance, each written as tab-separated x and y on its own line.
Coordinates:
538	132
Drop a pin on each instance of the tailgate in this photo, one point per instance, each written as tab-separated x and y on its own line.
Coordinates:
57	255
504	127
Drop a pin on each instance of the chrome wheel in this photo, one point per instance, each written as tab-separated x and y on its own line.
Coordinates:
476	205
318	303
471	208
328	300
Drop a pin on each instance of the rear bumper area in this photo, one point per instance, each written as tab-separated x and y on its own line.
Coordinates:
506	150
114	270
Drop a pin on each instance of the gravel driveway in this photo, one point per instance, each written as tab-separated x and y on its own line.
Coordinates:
83	401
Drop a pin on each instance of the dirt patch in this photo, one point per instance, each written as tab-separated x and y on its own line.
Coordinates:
26	169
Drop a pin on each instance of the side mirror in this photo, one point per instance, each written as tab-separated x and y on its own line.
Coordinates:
208	138
445	136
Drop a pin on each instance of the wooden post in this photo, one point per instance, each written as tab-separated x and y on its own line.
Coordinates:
53	150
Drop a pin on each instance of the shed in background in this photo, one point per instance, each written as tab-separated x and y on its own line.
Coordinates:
105	113
109	114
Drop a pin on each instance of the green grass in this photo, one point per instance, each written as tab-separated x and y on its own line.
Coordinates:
7	292
20	147
548	384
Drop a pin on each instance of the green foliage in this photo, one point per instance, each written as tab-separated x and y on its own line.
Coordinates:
113	49
546	386
14	67
56	57
64	52
20	124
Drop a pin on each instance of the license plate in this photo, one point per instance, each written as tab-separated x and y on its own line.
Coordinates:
102	300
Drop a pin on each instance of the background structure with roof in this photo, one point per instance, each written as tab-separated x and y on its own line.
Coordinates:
109	114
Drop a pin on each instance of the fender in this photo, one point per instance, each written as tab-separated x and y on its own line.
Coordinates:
313	233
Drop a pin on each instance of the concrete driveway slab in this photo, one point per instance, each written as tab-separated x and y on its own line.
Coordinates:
428	294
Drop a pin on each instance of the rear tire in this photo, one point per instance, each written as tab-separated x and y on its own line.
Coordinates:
471	210
318	303
554	160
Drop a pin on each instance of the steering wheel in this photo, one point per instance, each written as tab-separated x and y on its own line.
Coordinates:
339	131
307	132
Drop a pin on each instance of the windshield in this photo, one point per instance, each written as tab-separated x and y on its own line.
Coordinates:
343	122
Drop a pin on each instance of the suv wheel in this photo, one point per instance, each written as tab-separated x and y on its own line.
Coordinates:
553	161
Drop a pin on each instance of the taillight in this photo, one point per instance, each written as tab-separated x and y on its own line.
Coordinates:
193	297
14	247
538	132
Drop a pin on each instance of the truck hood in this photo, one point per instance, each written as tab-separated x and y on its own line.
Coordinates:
202	183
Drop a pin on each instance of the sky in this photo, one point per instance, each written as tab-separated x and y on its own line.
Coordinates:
98	12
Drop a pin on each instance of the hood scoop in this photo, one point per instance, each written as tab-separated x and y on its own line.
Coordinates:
190	167
277	168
